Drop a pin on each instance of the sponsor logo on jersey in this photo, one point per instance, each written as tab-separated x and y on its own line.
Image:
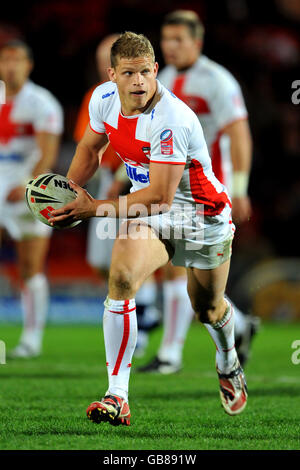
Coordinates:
133	174
166	142
108	94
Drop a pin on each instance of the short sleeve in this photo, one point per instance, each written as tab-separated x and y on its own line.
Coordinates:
48	116
169	144
228	102
96	122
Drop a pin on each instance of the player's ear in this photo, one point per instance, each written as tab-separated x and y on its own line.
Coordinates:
155	68
112	74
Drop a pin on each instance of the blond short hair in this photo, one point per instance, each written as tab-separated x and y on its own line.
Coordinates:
131	45
188	18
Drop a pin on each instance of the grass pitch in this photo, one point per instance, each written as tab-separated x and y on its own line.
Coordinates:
43	400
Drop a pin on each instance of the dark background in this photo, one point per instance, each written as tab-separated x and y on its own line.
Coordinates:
258	41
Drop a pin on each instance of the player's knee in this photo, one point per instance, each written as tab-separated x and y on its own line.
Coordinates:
121	282
27	270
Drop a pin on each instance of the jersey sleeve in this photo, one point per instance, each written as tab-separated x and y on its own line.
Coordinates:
48	116
96	121
228	102
169	144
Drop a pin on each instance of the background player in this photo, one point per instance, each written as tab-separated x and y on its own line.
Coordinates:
112	180
138	114
31	122
215	96
99	252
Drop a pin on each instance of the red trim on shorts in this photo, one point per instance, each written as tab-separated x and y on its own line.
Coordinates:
123	344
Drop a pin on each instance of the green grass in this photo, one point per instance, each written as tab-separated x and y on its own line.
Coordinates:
43	401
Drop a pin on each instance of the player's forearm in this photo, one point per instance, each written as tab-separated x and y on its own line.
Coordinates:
49	146
137	204
241	153
241	157
84	164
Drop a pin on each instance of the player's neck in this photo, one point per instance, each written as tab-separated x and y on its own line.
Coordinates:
189	63
132	112
11	90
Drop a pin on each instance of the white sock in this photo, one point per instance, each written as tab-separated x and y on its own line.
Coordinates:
222	333
144	299
120	333
240	323
146	295
177	317
35	304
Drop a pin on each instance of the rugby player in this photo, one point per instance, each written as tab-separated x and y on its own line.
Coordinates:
31	122
160	140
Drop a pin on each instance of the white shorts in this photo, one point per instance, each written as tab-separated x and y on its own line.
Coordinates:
201	242
20	223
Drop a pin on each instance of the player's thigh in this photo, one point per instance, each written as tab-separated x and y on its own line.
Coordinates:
32	253
137	253
206	288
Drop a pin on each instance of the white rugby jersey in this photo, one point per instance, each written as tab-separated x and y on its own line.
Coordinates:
167	132
33	109
215	96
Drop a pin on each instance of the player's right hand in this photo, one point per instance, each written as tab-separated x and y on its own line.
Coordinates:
83	207
241	209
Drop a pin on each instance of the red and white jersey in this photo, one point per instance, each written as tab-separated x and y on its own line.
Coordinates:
215	96
34	109
167	132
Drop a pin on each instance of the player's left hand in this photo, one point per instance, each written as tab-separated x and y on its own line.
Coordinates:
81	208
16	194
241	209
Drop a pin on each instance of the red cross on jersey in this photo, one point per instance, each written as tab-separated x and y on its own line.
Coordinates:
168	132
9	128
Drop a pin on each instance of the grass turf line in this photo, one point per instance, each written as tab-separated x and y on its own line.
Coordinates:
43	400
